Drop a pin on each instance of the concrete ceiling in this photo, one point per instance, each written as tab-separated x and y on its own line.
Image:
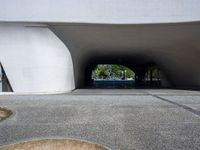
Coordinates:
175	48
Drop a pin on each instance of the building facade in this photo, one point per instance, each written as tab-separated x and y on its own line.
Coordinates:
51	46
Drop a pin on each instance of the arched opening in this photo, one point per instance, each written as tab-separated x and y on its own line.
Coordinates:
112	76
122	76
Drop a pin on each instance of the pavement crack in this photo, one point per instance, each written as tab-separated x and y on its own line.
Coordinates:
196	112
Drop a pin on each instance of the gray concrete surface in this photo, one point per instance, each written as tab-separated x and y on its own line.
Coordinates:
118	119
134	46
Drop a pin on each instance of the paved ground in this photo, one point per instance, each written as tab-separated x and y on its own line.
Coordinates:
118	119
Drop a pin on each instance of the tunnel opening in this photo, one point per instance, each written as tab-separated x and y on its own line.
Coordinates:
120	76
112	76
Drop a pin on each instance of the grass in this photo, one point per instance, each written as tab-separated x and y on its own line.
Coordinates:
4	113
54	144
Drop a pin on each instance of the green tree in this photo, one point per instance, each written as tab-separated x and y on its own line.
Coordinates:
112	71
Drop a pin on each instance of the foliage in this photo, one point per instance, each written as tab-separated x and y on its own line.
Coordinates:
112	72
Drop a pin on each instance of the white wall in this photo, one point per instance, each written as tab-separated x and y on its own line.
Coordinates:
100	11
35	60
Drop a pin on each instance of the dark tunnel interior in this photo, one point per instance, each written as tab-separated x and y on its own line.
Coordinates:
147	74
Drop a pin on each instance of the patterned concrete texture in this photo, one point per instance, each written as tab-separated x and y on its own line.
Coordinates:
118	119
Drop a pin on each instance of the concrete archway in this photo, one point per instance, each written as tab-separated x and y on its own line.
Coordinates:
173	47
166	33
139	69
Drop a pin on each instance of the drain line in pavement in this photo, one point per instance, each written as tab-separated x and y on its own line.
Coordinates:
177	104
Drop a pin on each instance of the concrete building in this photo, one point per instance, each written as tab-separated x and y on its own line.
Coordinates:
51	46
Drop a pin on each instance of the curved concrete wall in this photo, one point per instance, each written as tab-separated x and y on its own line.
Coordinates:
122	31
174	48
35	60
100	11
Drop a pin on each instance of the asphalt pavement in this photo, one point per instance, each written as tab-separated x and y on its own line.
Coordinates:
162	119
